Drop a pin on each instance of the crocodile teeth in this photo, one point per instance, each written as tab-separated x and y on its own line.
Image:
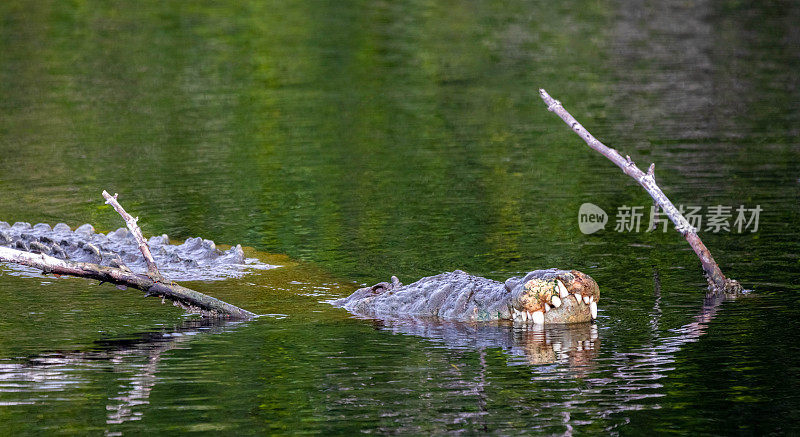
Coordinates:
562	290
593	310
586	300
546	307
555	301
530	316
538	318
591	299
524	316
577	297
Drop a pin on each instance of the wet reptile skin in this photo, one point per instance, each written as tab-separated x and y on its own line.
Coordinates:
195	259
463	297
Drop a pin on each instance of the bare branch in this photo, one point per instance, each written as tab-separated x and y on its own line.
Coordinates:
183	297
717	281
152	269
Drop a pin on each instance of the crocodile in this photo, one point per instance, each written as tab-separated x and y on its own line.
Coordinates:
195	259
540	297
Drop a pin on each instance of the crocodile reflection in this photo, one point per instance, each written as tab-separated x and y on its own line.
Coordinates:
573	345
139	355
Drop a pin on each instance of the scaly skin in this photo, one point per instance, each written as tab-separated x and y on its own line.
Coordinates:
195	259
541	297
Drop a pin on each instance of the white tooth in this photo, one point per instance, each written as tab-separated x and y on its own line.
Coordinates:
524	316
562	290
530	316
577	297
586	300
546	307
538	318
556	302
591	299
593	310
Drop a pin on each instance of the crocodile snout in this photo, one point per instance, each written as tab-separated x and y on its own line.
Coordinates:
554	296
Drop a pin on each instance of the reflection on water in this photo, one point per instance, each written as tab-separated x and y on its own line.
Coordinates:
570	346
135	360
637	375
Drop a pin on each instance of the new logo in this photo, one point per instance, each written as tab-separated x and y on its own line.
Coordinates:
591	218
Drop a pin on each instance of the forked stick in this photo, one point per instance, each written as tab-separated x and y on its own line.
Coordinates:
716	280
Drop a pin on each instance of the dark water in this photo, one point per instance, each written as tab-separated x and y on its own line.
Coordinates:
365	139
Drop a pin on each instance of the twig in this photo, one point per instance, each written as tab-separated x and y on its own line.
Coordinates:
152	269
717	281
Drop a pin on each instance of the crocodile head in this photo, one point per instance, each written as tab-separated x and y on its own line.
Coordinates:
553	296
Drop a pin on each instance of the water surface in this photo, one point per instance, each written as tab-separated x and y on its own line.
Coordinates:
358	140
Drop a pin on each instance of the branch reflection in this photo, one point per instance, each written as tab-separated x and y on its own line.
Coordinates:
138	357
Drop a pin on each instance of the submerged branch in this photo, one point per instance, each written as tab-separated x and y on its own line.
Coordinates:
717	281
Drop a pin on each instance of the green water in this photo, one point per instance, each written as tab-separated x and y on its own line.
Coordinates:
356	140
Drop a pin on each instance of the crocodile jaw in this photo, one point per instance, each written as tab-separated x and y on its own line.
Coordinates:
567	297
